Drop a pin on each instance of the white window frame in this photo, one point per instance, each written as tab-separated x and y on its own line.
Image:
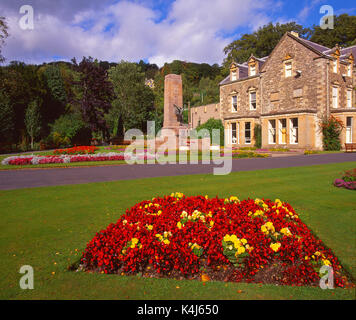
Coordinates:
348	137
291	132
250	98
288	69
250	130
349	98
232	133
335	97
335	68
280	128
272	133
232	103
234	75
349	70
252	70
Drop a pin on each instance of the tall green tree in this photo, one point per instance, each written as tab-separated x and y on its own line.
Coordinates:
3	35
261	42
33	121
96	94
7	125
134	101
344	32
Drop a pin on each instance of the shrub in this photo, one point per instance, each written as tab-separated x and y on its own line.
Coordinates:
258	135
70	129
331	129
212	124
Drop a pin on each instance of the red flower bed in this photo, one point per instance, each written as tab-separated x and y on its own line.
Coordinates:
76	150
219	239
99	158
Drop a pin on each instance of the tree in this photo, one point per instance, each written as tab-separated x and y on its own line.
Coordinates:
96	94
22	84
344	32
55	99
6	118
3	35
261	42
133	102
33	121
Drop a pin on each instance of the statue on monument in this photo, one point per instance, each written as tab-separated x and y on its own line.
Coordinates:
179	113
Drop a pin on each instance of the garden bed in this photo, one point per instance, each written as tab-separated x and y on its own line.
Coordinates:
180	237
348	180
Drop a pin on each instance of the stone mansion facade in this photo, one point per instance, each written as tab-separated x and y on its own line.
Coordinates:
288	93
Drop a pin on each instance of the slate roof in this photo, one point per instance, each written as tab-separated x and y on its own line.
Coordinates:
325	51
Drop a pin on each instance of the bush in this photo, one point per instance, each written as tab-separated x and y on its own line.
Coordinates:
331	129
70	129
212	124
258	136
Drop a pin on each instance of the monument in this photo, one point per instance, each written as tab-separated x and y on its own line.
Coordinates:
173	108
173	102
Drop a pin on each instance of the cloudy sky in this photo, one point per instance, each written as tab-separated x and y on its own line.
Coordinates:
156	31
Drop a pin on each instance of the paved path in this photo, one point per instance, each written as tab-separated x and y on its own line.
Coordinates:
17	179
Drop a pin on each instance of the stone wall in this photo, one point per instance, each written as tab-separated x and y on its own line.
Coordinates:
201	114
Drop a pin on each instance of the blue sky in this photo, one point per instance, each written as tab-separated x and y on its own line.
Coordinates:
157	31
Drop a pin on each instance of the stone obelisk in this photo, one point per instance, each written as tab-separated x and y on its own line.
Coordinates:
173	95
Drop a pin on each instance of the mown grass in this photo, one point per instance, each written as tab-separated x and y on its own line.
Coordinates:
48	228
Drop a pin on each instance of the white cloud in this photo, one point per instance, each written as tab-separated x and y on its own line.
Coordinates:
192	30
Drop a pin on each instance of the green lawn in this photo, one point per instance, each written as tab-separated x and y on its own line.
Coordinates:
48	228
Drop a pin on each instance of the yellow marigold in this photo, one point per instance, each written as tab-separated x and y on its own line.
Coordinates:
326	262
286	232
275	246
241	250
233	238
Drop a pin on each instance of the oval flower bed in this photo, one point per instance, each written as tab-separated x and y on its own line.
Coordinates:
112	156
217	239
76	150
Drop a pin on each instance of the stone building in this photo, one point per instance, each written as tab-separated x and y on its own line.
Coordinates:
201	114
288	93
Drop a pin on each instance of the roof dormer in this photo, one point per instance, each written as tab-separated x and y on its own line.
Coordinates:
234	71
252	66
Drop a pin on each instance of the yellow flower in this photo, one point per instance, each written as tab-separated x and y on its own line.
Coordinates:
286	232
241	250
244	241
166	241
227	238
211	223
179	225
275	246
150	227
233	238
326	262
134	240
